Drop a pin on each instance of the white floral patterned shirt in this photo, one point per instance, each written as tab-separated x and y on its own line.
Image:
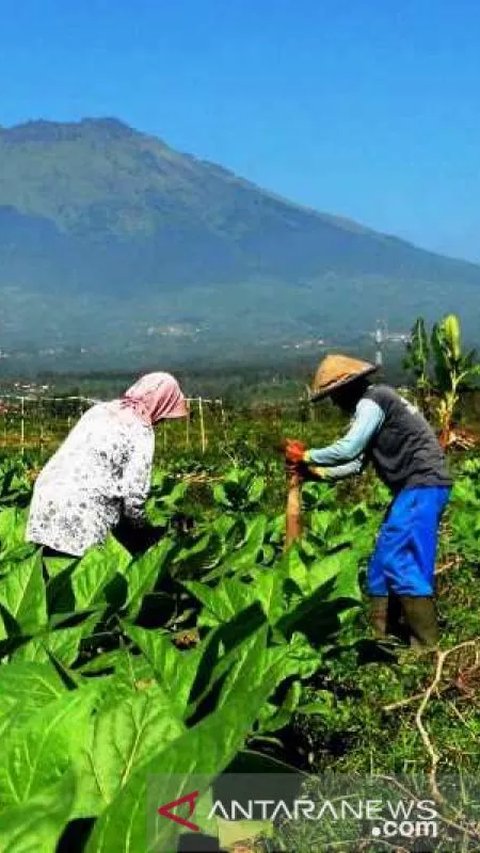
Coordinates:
101	472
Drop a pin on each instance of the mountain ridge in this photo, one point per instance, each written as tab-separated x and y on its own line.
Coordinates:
95	213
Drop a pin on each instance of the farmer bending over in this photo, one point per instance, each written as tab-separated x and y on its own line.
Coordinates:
390	432
101	473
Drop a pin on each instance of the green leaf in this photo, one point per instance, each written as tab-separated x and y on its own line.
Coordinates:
121	739
102	662
342	568
220	495
254	668
56	565
132	673
36	827
176	494
13	523
174	670
247	554
223	602
321	522
94	571
142	574
451	330
40	751
223	651
300	658
25	687
292	567
240	490
267	588
22	594
274	718
155	516
418	352
333	584
204	554
446	347
205	749
225	525
63	644
256	490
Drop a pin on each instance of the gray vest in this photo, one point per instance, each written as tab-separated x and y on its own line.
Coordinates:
405	451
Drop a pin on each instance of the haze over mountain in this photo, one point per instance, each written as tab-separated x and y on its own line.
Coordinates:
111	240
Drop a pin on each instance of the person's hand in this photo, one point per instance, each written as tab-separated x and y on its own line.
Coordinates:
296	474
294	451
314	472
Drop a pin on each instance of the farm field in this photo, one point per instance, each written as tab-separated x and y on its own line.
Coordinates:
215	650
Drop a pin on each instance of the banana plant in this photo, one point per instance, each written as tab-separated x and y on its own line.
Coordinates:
417	361
453	371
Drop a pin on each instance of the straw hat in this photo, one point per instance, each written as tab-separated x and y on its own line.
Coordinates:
335	371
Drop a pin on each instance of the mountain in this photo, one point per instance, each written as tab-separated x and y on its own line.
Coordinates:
112	241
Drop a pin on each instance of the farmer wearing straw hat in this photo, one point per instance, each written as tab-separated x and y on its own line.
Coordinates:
392	434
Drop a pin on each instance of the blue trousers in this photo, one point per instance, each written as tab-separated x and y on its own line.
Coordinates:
404	558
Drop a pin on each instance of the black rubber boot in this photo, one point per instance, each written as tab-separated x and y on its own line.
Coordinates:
421	619
378	614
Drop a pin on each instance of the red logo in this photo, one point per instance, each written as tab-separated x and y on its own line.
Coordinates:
166	810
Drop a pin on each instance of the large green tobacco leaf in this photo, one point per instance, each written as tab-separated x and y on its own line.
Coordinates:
333	588
95	570
227	527
300	658
123	673
323	523
292	568
98	578
246	555
175	671
25	687
195	559
105	662
15	486
119	686
240	490
121	739
12	529
256	662
40	751
255	667
22	595
143	573
36	826
17	555
342	568
272	718
166	495
259	665
205	749
223	650
222	602
63	643
319	496
267	588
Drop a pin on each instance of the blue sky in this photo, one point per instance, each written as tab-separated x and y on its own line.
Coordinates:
365	108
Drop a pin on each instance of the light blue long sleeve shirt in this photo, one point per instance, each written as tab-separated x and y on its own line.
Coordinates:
346	456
